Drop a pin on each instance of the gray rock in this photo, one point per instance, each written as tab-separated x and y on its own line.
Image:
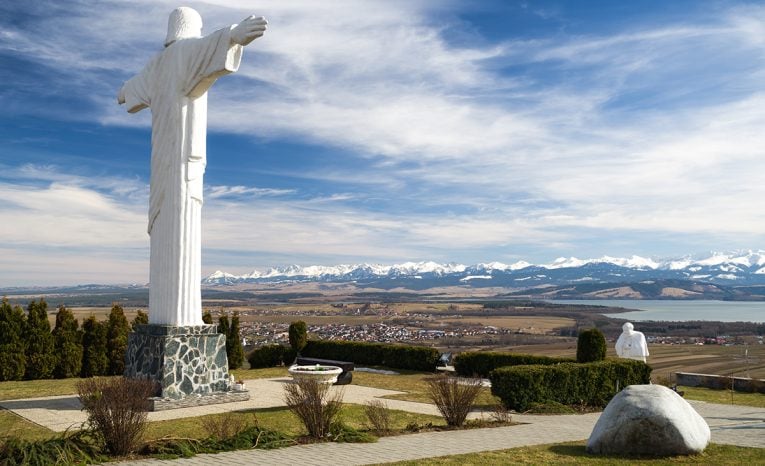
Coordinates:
649	420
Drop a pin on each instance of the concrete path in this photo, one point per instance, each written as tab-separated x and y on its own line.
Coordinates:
735	425
59	413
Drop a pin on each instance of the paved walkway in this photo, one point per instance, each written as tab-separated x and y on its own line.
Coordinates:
735	425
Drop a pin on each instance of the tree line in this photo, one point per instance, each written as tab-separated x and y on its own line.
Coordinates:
30	349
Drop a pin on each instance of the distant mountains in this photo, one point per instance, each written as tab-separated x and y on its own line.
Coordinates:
742	268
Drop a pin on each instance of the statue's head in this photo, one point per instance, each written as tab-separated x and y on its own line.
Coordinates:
184	23
628	327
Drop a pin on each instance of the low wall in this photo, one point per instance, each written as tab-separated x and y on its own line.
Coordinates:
720	382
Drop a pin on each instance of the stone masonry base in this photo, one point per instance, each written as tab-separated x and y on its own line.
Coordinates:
188	363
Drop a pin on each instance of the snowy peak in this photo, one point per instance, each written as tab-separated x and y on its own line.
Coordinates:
740	267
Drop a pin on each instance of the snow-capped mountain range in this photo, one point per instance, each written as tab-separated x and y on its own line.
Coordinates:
738	268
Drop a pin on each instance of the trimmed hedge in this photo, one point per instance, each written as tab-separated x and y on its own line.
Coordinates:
417	358
270	356
470	364
593	384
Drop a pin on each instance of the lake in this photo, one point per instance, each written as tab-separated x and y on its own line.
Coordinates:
723	311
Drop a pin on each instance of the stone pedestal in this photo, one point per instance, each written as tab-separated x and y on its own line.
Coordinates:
189	364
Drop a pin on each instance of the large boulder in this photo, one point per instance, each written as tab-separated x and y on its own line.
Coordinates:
649	420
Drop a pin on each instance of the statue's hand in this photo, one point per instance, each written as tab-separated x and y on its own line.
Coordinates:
248	30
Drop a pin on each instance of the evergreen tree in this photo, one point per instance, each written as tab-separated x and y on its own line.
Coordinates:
117	332
298	335
67	344
223	324
12	357
234	349
40	359
94	358
207	317
141	318
591	346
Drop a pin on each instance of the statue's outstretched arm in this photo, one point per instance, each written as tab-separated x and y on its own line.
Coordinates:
248	30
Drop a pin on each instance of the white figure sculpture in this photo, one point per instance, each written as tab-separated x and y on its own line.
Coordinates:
174	85
631	344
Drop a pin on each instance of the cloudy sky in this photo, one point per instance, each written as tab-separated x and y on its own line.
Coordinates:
389	131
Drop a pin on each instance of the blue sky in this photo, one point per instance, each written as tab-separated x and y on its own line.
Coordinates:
387	131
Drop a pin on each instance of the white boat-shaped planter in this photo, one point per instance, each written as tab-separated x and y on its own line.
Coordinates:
318	372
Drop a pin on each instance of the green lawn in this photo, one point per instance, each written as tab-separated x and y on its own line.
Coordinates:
574	453
282	420
724	396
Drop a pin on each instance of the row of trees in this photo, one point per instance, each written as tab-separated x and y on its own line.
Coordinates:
30	350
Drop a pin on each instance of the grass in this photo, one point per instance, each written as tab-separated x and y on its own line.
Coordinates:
282	420
15	390
13	425
574	453
415	386
726	397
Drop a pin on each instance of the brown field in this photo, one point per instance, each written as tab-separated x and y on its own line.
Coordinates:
82	313
667	359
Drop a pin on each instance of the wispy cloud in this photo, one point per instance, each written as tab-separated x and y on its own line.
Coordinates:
443	144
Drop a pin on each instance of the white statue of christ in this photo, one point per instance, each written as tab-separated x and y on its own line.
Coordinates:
174	85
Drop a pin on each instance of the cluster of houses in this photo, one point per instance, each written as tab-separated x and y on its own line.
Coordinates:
260	333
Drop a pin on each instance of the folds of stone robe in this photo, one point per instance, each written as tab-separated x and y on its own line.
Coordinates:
174	85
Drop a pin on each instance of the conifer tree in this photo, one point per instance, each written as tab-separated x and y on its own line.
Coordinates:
223	324
40	359
94	358
207	317
117	333
141	318
591	346
234	349
67	344
12	357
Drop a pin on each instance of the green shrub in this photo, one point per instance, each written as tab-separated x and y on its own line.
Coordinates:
592	384
12	357
67	343
590	346
117	331
40	358
207	317
266	356
298	335
417	358
472	364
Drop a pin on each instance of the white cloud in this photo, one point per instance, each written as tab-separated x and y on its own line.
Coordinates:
657	128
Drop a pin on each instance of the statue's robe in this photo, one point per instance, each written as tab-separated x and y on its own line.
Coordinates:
174	85
632	345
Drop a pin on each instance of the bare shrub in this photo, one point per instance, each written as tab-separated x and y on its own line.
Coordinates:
378	415
223	426
117	410
501	414
454	397
314	405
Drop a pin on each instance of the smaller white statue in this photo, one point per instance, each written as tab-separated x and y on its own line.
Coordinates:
631	344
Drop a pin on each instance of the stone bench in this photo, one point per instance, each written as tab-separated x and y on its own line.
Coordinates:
343	379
